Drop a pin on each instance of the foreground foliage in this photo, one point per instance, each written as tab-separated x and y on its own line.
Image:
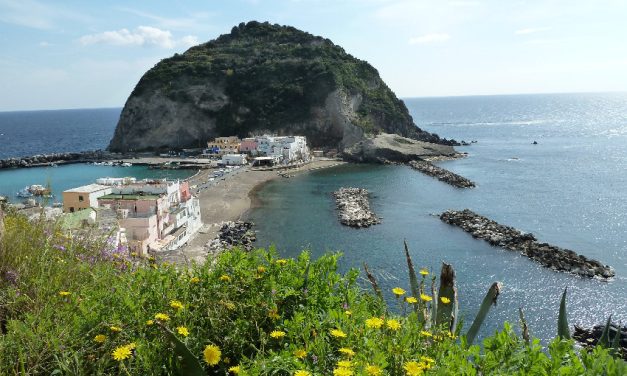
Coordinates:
80	307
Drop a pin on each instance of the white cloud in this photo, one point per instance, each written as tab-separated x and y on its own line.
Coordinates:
141	36
531	30
430	38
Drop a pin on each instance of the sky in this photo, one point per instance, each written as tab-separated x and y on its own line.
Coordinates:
90	54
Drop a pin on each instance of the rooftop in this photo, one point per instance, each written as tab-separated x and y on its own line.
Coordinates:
90	188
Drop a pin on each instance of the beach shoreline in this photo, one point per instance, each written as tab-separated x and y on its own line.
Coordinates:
231	198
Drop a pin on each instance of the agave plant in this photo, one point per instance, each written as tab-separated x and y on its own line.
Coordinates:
442	310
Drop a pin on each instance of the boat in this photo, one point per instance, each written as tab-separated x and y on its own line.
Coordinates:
126	164
24	193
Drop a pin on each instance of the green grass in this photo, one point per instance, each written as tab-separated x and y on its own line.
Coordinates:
233	302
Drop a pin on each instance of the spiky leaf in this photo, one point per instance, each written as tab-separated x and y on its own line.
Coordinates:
373	282
562	319
413	279
488	301
604	340
190	365
523	324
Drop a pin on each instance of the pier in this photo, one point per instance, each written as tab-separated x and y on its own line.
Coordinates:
441	174
556	258
354	207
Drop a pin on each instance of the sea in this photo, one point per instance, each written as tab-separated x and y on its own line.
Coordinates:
569	189
26	133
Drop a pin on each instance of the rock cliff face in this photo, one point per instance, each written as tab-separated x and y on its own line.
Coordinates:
261	78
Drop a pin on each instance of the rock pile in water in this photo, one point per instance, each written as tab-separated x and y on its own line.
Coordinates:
45	159
354	207
233	234
590	337
441	174
556	258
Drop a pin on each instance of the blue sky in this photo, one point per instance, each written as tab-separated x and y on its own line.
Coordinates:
78	54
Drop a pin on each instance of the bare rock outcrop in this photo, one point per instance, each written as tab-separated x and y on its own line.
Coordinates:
386	148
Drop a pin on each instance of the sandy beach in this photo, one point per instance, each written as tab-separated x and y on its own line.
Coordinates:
228	199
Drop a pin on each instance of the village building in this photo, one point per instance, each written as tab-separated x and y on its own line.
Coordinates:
248	146
234	160
224	145
84	197
286	149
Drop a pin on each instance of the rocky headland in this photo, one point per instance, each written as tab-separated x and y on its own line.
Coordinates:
441	174
556	258
263	78
55	158
354	207
392	148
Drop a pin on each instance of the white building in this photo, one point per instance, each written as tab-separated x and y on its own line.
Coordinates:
286	148
234	159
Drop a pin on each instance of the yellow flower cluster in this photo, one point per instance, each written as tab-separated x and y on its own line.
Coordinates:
302	372
374	322
300	353
65	293
425	298
398	291
414	368
162	317
212	354
373	370
445	300
277	334
182	331
234	370
123	352
337	333
194	280
176	304
424	272
115	329
343	368
411	300
346	351
225	278
100	338
393	324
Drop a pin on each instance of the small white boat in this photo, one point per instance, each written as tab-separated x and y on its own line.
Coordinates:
126	164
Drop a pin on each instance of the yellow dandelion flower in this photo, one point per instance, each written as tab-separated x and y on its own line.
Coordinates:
346	351
132	345
427	359
425	298
182	331
373	370
348	313
277	334
445	300
398	291
115	329
234	370
424	272
176	304
194	280
162	317
425	333
300	353
212	354
65	293
302	372
337	333
413	368
281	261
344	364
411	300
393	324
225	278
374	322
341	371
261	269
100	338
121	353
150	322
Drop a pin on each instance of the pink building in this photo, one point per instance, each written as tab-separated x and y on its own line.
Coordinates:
186	194
248	146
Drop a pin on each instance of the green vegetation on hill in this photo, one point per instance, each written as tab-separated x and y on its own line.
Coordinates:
264	77
78	307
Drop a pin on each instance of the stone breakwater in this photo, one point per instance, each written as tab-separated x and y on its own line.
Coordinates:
58	158
233	234
354	207
556	258
441	174
590	337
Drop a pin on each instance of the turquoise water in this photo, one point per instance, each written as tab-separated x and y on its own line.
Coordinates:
569	190
70	176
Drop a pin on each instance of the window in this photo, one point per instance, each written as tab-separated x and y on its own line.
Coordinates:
80	198
71	209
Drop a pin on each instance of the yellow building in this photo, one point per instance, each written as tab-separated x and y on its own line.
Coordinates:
83	197
224	145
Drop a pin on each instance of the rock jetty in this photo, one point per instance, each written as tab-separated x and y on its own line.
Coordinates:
354	207
556	258
441	174
590	337
57	158
233	234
